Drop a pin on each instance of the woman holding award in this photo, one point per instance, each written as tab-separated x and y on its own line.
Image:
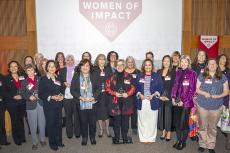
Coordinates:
85	89
34	106
120	89
50	90
165	111
184	88
149	90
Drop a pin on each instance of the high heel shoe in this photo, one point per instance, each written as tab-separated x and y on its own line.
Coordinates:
108	133
162	137
100	135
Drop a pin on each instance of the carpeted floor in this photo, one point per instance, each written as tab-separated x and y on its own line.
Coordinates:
104	145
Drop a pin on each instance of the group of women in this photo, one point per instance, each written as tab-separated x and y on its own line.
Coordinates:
111	92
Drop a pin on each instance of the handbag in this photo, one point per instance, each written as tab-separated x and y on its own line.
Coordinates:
224	123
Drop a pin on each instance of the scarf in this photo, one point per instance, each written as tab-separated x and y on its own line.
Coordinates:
69	75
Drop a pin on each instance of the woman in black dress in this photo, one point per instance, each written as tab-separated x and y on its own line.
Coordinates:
102	107
132	70
200	62
175	66
165	111
222	61
51	92
198	66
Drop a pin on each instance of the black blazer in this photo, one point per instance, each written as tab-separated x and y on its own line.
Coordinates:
26	93
1	86
101	79
10	91
47	87
2	104
109	69
75	86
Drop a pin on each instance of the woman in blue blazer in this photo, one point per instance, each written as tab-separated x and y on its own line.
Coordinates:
149	88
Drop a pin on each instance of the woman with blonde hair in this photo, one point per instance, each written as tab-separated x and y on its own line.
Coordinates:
132	69
101	72
184	88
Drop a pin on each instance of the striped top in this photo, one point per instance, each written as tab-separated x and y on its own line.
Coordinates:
147	85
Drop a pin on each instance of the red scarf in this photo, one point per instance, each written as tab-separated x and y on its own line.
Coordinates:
33	82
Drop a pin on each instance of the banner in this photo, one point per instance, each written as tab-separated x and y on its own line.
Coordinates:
209	44
130	27
110	17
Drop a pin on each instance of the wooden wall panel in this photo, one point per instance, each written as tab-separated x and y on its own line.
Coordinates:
17	31
227	9
9	55
13	18
208	17
215	20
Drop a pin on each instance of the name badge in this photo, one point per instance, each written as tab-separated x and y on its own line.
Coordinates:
126	81
142	80
0	83
208	81
134	76
102	74
57	83
167	78
185	83
21	78
202	71
30	86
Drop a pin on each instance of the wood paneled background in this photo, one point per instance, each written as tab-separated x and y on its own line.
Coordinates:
205	17
17	31
18	27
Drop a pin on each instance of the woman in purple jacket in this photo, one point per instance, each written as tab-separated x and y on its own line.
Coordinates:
183	91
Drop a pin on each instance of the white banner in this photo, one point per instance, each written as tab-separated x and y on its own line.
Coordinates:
133	27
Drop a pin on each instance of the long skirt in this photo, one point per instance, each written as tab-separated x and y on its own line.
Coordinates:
147	122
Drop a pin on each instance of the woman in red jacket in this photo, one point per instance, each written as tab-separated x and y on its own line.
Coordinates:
120	89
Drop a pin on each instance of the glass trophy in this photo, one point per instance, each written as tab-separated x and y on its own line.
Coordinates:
121	91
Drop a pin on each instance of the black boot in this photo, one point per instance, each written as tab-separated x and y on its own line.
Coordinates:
93	141
84	141
116	140
181	145
176	144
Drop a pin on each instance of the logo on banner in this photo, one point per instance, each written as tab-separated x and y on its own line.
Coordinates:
110	17
209	41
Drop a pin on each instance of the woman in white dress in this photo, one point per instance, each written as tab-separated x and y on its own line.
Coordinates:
149	88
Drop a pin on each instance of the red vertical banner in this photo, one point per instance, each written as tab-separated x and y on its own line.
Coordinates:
209	44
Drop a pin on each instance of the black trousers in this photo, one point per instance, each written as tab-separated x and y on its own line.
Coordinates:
88	123
53	114
2	123
121	123
72	117
134	118
181	119
17	114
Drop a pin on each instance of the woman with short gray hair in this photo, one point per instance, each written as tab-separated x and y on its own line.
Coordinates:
34	106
